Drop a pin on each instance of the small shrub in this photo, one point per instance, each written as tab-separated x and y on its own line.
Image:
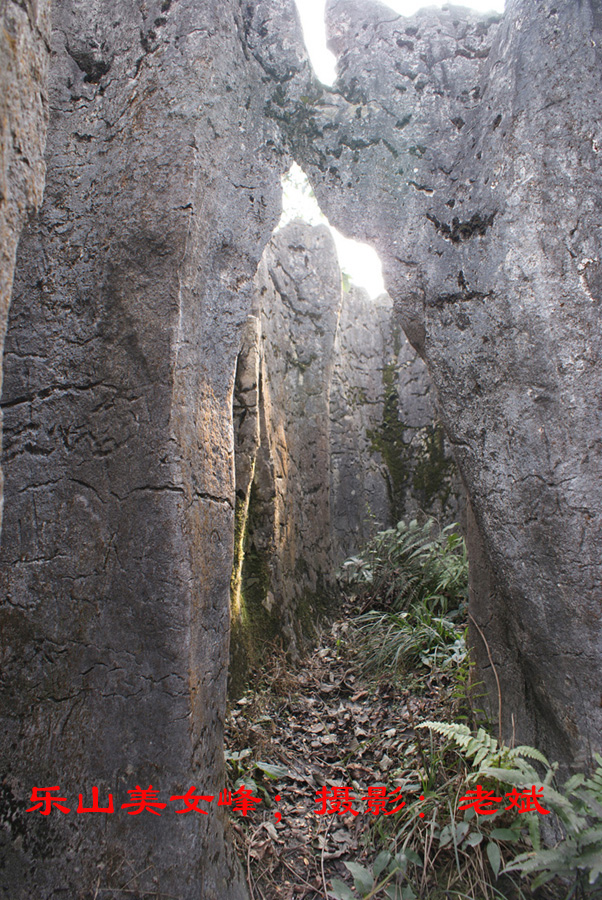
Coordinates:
408	565
415	578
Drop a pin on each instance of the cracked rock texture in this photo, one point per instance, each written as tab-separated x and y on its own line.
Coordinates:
390	458
467	151
131	290
299	292
288	544
360	490
336	435
24	29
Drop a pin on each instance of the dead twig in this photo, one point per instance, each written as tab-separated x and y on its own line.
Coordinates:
322	861
249	848
497	680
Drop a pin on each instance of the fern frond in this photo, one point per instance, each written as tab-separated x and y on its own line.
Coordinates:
482	748
454	731
518	777
530	753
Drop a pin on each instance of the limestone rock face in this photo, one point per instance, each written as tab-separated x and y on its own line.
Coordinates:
24	29
299	298
467	150
247	438
361	503
335	435
131	290
389	456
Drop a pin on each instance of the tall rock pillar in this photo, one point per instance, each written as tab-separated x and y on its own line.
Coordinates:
131	290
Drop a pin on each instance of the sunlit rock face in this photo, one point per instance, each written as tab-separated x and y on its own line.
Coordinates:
335	436
299	292
131	290
288	568
24	52
467	149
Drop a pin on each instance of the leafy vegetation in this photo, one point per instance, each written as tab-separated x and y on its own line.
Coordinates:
324	723
577	857
412	584
416	579
408	564
476	855
577	806
251	773
401	641
483	749
435	848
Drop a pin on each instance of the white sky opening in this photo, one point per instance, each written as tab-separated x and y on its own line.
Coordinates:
311	13
359	261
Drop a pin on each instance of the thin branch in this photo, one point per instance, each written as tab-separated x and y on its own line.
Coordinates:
497	680
322	861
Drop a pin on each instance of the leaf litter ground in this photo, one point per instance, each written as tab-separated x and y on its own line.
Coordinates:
325	724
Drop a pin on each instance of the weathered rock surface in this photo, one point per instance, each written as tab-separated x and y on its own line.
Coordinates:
360	489
389	456
131	290
288	547
24	54
335	436
247	439
468	152
299	288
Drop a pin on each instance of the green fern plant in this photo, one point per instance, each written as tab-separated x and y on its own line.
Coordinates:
577	857
485	751
415	579
410	564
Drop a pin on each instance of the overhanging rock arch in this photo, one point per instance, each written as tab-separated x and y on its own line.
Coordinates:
465	151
